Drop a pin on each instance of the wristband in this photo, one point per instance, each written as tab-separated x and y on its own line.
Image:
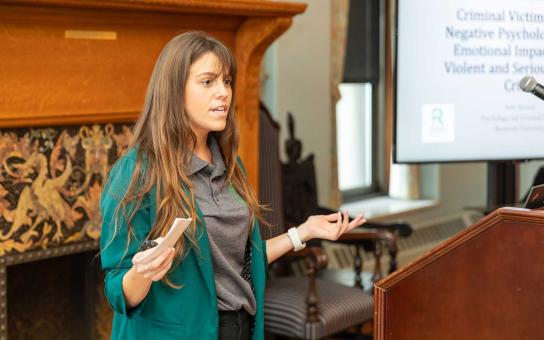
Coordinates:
295	239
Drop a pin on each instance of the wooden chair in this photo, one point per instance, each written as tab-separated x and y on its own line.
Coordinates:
300	186
305	306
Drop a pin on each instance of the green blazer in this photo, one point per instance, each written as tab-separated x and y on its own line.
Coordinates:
166	313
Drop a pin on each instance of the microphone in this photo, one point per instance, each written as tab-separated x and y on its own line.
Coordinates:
529	84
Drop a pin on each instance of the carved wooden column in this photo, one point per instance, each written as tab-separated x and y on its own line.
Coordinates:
253	37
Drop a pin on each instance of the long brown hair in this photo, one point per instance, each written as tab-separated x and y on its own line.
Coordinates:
164	139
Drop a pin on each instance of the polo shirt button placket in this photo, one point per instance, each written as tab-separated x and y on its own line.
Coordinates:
215	198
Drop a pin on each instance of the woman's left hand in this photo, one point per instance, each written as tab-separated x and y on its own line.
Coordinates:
328	227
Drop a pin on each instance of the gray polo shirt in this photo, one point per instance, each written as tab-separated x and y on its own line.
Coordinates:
227	222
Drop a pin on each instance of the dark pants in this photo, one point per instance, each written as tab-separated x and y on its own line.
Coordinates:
235	325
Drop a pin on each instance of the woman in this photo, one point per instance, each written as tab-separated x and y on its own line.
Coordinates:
183	163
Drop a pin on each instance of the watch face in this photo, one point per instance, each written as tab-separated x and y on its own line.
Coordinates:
535	199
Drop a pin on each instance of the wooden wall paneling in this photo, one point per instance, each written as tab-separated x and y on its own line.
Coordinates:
48	79
100	76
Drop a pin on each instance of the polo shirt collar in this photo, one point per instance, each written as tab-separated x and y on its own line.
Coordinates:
218	167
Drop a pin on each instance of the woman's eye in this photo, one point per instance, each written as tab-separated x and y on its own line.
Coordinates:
228	81
206	82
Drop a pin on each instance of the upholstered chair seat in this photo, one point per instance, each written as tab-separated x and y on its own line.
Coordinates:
340	307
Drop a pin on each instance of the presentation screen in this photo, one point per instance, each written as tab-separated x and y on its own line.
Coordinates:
458	66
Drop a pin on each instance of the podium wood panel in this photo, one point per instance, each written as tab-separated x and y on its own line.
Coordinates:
486	282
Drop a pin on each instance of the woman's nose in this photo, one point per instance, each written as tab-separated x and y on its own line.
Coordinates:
222	90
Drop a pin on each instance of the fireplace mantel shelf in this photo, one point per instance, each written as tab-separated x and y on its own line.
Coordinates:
250	8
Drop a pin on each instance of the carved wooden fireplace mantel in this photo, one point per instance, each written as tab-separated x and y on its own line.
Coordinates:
73	76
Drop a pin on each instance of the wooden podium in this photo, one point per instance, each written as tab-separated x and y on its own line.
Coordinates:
486	282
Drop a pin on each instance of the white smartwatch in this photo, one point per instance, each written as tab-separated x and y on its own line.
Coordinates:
295	239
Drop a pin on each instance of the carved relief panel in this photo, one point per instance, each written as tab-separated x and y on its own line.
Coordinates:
50	183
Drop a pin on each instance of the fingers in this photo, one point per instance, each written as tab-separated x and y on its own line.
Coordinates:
140	254
331	227
338	226
156	264
357	221
162	270
159	272
332	217
344	225
137	257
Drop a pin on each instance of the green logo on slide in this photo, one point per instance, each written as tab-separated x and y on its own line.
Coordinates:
437	115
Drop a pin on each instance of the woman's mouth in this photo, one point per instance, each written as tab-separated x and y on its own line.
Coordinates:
221	110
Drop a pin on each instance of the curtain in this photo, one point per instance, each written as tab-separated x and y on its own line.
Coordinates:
339	26
404	180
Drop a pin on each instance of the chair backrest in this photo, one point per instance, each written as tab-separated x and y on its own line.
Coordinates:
270	177
288	189
299	183
273	191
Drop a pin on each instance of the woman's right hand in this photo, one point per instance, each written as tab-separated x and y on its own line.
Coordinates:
156	269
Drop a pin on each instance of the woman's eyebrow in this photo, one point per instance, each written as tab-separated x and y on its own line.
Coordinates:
211	74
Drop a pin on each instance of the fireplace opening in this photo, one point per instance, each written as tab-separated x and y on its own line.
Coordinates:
57	298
